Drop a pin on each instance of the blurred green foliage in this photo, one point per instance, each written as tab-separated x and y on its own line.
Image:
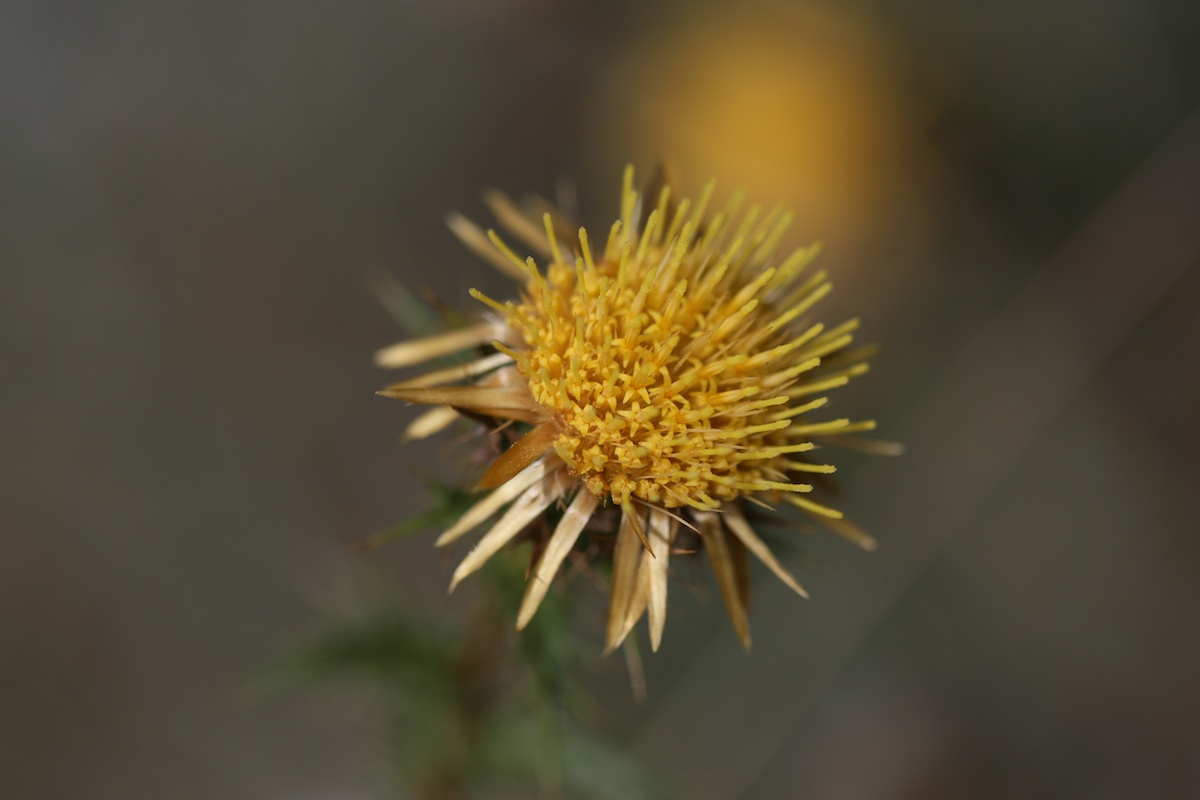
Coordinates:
475	710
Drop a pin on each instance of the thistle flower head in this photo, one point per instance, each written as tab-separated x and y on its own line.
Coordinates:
670	372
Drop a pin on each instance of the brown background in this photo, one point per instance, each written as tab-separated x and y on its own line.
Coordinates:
194	199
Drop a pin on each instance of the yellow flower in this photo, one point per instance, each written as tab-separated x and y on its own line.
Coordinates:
669	375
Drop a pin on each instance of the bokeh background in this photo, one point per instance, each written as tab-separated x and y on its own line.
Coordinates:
198	197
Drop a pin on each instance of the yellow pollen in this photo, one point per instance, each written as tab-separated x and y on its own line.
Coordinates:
671	362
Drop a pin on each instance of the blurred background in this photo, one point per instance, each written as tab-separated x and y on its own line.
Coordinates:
198	198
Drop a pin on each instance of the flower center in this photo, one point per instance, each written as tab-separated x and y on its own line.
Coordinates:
647	378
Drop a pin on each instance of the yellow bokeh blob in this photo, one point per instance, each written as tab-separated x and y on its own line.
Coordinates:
796	103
